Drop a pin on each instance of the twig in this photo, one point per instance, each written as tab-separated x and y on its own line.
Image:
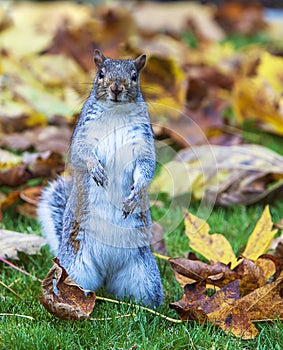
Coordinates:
19	269
110	318
24	316
12	291
160	256
164	257
167	318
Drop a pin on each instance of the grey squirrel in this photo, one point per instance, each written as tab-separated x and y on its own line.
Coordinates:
97	220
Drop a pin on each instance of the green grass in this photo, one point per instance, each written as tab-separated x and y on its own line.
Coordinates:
144	330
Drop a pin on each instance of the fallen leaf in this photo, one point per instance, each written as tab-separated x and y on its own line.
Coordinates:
31	194
222	174
50	138
261	237
217	274
27	209
265	303
258	97
234	319
29	25
213	247
157	241
14	242
252	276
189	307
63	297
236	17
155	17
18	170
219	309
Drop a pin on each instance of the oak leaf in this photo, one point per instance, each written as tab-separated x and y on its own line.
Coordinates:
63	297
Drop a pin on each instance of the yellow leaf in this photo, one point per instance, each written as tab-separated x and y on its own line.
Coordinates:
259	97
261	237
9	160
213	247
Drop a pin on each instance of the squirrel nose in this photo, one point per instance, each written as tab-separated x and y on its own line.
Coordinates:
116	89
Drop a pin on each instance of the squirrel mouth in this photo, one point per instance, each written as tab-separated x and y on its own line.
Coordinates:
115	99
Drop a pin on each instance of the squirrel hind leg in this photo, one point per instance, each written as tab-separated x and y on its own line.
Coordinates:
139	278
50	212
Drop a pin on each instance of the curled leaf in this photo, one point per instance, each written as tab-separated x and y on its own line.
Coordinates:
63	297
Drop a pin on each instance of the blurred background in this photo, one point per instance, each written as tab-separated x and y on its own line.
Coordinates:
213	77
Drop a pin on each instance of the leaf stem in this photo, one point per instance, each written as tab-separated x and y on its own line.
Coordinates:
18	315
160	256
167	318
19	269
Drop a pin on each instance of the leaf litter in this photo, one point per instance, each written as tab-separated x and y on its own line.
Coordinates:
247	289
190	87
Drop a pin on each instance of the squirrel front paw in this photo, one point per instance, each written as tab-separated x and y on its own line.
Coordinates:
130	203
99	175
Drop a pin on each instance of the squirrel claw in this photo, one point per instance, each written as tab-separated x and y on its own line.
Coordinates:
99	176
129	206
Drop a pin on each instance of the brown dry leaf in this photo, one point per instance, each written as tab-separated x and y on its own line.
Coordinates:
223	297
157	241
241	174
7	200
51	138
219	309
44	163
156	17
265	303
235	320
14	242
54	139
16	170
65	299
31	195
217	274
27	209
252	276
237	17
189	307
12	170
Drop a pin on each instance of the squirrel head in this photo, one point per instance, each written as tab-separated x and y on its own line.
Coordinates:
117	80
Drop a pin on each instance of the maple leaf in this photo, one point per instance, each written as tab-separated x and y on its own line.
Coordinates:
213	247
250	275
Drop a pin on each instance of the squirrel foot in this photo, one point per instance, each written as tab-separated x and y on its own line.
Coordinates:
130	204
99	175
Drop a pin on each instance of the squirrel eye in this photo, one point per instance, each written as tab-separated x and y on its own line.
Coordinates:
101	74
134	76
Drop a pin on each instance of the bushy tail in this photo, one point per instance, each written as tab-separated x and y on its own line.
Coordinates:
51	211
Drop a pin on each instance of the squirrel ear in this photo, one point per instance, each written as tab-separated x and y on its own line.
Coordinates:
98	58
140	62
